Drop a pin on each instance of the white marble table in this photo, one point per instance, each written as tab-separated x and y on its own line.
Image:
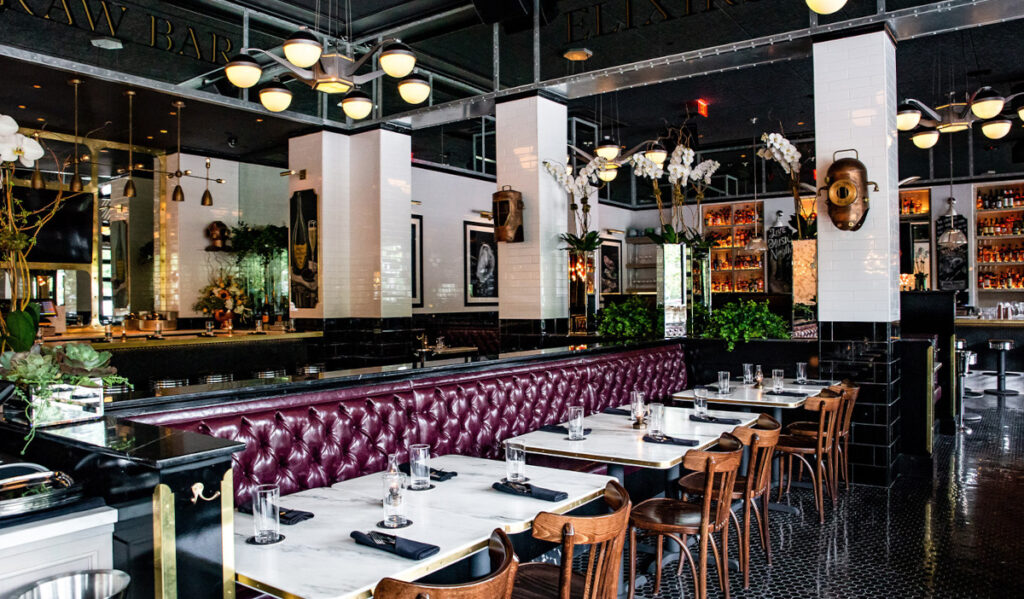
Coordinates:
318	558
745	395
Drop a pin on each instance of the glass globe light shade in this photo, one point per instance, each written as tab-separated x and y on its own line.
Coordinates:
926	138
996	129
275	97
357	105
397	60
907	117
825	7
302	49
608	173
243	71
414	89
987	104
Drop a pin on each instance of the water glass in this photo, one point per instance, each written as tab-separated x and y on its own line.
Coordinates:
748	374
209	327
266	514
777	378
259	326
801	372
419	467
515	462
576	423
700	401
636	404
394	500
656	425
723	382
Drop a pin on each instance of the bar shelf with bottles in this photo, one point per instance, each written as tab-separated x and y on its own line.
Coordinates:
999	232
733	268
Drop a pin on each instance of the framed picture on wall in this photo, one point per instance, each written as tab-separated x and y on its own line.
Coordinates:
611	266
416	257
480	277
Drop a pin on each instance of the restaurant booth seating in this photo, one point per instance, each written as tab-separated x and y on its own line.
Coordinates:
308	440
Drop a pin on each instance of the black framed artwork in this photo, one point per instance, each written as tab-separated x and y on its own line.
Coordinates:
416	261
611	266
480	274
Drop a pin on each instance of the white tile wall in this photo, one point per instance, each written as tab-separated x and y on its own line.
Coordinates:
533	275
855	107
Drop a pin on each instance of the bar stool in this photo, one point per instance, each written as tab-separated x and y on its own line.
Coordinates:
1002	346
169	383
310	369
271	374
972	359
210	379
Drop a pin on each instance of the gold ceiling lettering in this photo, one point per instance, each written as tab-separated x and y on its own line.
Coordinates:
614	16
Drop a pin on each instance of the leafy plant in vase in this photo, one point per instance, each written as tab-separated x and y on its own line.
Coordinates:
223	298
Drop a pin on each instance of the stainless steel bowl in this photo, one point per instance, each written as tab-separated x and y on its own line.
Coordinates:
84	584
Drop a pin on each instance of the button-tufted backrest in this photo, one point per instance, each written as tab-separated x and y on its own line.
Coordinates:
317	439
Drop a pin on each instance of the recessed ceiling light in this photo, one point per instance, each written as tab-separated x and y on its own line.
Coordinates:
149	137
37	86
41	120
578	54
21	106
163	131
259	120
106	43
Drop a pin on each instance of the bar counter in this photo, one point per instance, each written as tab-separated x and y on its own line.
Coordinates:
977	332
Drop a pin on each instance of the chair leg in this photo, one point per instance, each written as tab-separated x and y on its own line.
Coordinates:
745	542
701	582
789	472
689	557
723	569
657	566
718	562
632	561
766	541
846	461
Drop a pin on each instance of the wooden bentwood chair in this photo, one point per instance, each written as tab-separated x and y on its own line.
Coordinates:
820	447
850	390
497	585
761	438
605	535
676	519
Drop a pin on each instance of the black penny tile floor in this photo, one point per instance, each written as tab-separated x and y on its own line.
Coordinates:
957	534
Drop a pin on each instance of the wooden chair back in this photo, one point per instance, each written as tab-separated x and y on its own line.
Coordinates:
827	404
497	585
761	437
606	536
849	389
719	463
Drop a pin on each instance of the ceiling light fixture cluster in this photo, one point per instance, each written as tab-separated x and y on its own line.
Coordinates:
985	105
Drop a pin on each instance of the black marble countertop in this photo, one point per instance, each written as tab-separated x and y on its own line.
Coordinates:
141	402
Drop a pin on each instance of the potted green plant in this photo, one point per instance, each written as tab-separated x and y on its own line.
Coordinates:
631	319
742	321
60	384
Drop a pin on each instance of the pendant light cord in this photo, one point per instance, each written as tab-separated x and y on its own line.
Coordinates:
131	162
76	127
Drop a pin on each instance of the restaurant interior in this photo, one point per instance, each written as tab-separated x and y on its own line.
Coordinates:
472	299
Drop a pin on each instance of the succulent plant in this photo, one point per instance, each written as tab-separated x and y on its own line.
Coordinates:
81	359
30	368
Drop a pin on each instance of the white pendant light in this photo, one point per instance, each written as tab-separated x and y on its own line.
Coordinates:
996	129
609	149
987	104
608	173
243	71
656	154
907	117
356	104
925	138
825	7
414	89
275	97
397	60
1020	112
952	237
302	49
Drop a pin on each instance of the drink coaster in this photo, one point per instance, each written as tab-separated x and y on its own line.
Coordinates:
252	541
427	488
381	524
525	480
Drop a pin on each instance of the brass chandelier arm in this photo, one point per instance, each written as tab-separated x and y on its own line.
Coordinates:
304	74
927	110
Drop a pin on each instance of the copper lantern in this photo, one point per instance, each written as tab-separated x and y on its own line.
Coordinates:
507	208
847	185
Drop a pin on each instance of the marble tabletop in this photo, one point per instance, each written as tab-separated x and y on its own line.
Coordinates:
613	439
745	395
318	559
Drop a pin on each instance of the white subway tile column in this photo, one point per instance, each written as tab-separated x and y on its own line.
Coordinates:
533	275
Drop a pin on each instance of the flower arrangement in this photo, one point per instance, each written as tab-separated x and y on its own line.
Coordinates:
782	151
18	230
224	297
580	187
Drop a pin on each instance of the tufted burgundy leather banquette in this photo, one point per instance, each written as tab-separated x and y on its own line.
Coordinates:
317	439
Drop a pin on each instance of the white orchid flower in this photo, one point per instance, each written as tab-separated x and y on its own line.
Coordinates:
8	126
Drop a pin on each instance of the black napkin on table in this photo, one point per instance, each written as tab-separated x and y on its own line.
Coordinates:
528	490
786	393
563	430
714	419
618	412
815	382
436	475
406	548
666	440
286	515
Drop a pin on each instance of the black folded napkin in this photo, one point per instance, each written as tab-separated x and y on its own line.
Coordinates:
436	475
815	382
666	440
286	515
618	412
562	430
528	490
786	393
406	548
714	419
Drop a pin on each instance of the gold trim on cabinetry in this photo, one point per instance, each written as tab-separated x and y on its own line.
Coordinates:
165	565
227	532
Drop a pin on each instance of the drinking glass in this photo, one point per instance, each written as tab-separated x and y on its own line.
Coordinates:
777	377
748	374
723	382
656	426
108	332
758	375
515	462
801	372
700	401
259	326
209	327
576	423
419	467
636	404
266	514
394	500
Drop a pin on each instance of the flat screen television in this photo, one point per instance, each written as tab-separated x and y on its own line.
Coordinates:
67	238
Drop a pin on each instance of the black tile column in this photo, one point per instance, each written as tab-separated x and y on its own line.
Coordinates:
866	353
353	342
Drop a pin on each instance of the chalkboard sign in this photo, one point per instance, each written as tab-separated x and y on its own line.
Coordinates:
780	260
951	261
